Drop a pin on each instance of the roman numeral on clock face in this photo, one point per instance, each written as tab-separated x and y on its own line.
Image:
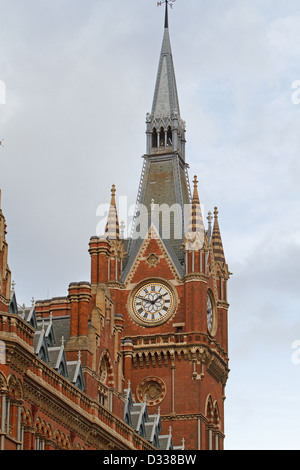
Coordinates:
153	302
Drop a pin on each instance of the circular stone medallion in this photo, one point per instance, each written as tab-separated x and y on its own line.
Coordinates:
153	388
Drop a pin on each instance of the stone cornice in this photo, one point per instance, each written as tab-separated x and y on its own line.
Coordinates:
168	354
97	426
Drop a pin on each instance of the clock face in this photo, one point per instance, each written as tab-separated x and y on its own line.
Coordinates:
153	303
210	314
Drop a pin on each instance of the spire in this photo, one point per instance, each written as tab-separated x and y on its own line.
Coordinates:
217	244
194	237
164	177
112	225
165	129
165	101
5	274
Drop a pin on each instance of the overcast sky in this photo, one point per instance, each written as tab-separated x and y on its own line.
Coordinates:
79	78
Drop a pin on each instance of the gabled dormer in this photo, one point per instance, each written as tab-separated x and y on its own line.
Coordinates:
57	359
40	345
75	373
31	317
49	331
13	306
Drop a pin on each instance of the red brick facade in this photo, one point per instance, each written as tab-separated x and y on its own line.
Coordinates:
146	335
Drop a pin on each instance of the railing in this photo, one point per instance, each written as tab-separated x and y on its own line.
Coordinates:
90	409
13	324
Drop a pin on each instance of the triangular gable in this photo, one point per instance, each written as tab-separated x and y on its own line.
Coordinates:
31	318
76	374
41	349
61	362
49	331
153	244
13	306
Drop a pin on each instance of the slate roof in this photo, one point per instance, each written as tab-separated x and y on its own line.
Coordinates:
147	426
50	336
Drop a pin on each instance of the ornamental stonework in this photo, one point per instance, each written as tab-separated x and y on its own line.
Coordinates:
152	389
152	260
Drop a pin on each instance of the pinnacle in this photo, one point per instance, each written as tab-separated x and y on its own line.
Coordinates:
217	240
195	229
112	230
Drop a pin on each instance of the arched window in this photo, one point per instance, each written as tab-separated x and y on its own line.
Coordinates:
62	369
169	137
161	137
42	354
154	138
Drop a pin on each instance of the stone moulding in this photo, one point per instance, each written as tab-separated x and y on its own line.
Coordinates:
168	355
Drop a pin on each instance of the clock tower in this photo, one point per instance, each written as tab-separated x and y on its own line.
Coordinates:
168	282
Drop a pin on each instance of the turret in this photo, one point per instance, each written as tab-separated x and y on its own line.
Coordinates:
107	251
5	274
219	258
195	241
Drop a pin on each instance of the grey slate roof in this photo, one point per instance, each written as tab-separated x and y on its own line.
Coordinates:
48	342
148	426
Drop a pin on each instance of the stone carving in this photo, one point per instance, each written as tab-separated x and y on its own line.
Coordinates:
151	389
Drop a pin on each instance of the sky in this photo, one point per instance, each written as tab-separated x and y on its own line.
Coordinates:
76	81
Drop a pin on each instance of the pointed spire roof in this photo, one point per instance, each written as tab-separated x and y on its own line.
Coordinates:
217	244
165	101
195	229
112	230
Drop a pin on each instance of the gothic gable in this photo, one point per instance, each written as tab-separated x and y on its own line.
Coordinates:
153	259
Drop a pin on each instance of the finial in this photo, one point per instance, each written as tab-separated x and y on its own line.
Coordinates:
62	340
195	181
32	301
79	355
152	205
13	286
122	229
129	384
209	218
216	212
113	190
167	2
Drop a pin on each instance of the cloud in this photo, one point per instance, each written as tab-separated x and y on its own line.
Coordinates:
79	80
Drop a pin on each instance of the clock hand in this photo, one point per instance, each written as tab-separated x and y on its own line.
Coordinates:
143	298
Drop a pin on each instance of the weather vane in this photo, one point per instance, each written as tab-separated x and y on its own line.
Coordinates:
168	2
